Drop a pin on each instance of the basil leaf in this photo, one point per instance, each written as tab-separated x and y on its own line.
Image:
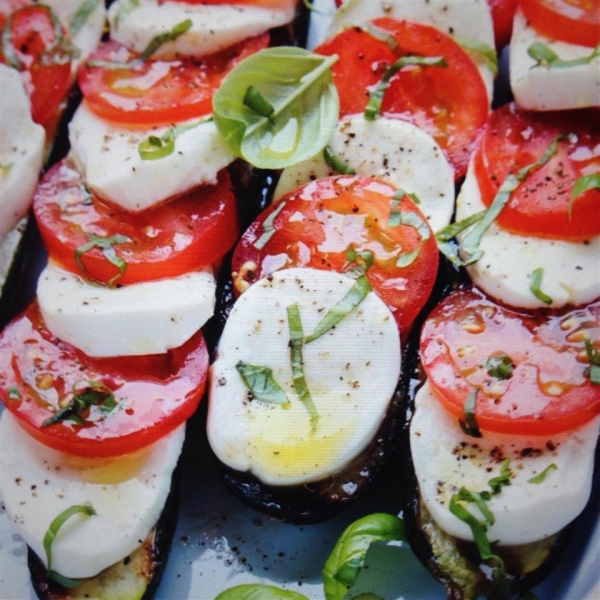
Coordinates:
14	393
106	247
259	591
336	163
497	483
347	558
299	87
155	148
355	295
446	234
546	57
357	263
594	358
261	383
469	425
583	184
535	286
81	16
381	34
58	522
395	217
297	361
373	108
480	499
500	366
480	49
163	38
541	477
126	7
268	228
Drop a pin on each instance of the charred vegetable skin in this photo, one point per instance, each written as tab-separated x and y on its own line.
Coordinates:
136	576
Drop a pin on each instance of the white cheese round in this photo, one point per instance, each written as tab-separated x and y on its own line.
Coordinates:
21	150
214	27
351	372
108	156
142	318
389	149
128	493
445	459
570	269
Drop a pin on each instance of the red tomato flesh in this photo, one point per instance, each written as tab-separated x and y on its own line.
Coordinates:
514	139
30	37
315	225
450	103
548	390
185	234
154	394
503	12
157	92
572	21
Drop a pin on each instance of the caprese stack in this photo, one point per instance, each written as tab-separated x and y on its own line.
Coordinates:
101	372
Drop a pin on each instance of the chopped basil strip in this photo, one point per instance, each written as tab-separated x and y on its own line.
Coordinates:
480	49
155	148
355	295
163	38
444	236
541	477
594	358
255	101
94	393
5	169
81	16
373	108
381	34
470	244
546	57
126	7
582	185
14	393
268	228
535	286
469	425
395	218
58	522
106	247
259	591
298	85
348	556
500	366
497	483
336	163
297	361
261	383
357	263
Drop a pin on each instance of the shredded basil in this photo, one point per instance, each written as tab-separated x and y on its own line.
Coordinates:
261	383
94	393
50	536
480	49
336	163
373	108
594	370
14	393
469	425
81	16
163	38
255	101
5	169
395	217
582	185
546	57
357	263
535	286
541	477
126	7
268	228
381	34
297	361
155	148
355	295
500	366
107	248
412	219
497	483
444	236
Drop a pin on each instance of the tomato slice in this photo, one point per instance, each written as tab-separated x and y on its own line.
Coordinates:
450	103
185	234
503	12
542	205
156	92
572	21
546	391
315	225
35	43
129	402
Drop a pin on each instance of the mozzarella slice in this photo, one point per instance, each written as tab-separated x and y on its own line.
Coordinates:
389	149
21	150
462	19
143	318
351	372
550	88
445	459
108	156
214	27
128	493
570	269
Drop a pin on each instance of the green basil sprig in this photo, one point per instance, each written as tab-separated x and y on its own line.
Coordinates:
259	591
298	86
107	248
348	556
546	57
261	383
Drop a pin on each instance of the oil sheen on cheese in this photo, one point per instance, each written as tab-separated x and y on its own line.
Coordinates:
351	372
446	459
